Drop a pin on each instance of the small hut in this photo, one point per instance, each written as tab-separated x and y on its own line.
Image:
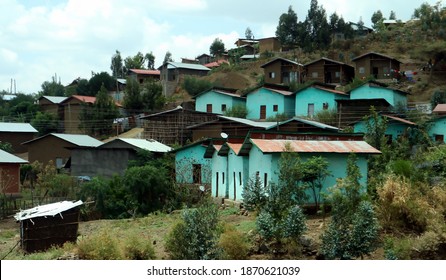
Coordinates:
48	225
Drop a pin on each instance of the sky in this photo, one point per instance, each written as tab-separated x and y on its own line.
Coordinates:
40	39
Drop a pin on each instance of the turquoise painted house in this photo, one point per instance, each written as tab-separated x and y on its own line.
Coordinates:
396	126
217	101
269	101
264	155
377	90
437	129
317	97
191	167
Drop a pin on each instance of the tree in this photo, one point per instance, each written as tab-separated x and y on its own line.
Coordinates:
167	57
392	15
217	48
117	66
194	86
150	58
134	62
377	19
45	123
376	127
288	29
53	88
132	97
315	171
317	28
439	97
248	34
6	146
98	80
152	95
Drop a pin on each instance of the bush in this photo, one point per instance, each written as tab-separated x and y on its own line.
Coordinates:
137	248
101	246
234	245
196	236
254	195
237	111
195	86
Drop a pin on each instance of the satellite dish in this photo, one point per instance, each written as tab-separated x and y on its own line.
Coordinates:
201	188
224	135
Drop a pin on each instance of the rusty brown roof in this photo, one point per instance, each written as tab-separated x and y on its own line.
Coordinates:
440	108
235	147
300	146
400	120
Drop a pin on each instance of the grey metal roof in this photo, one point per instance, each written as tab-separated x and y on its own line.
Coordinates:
309	122
249	122
6	157
173	65
8	97
76	139
145	144
47	210
16	127
55	99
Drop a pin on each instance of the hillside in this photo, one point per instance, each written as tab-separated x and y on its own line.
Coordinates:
406	43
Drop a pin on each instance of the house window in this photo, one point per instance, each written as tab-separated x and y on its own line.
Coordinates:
275	108
439	138
223	107
59	162
196	173
337	74
314	75
310	110
272	75
209	108
222	177
325	106
262	112
361	70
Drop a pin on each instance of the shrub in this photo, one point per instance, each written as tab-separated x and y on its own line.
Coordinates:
196	236
237	111
195	86
100	246
137	248
254	195
234	244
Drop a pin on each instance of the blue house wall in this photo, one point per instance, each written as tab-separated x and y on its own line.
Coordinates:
186	158
394	129
366	91
268	98
318	98
437	129
238	174
218	100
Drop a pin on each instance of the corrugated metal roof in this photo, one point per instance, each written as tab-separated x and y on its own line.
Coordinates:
8	97
47	210
400	120
79	139
249	122
300	146
283	92
172	65
282	59
145	144
235	147
6	157
145	71
375	53
54	99
16	127
309	122
440	108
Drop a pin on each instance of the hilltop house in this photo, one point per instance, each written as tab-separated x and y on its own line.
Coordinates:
270	44
55	147
15	134
142	75
329	71
72	108
10	173
218	100
317	97
269	101
282	71
374	64
112	157
172	74
437	129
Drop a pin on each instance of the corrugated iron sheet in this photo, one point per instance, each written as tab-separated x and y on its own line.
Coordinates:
235	147
311	146
48	210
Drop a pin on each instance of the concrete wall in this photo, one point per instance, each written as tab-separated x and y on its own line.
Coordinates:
217	100
184	160
438	127
263	96
368	92
100	162
393	129
317	97
220	175
49	148
238	169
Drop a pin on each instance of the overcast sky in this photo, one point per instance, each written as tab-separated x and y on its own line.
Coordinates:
72	38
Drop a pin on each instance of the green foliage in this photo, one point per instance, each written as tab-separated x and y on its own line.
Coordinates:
294	224
217	48
53	88
100	80
148	187
315	171
254	194
117	66
137	248
152	97
288	29
45	123
195	86
439	97
138	61
62	185
6	146
327	117
237	111
278	118
196	236
132	98
377	18
316	33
